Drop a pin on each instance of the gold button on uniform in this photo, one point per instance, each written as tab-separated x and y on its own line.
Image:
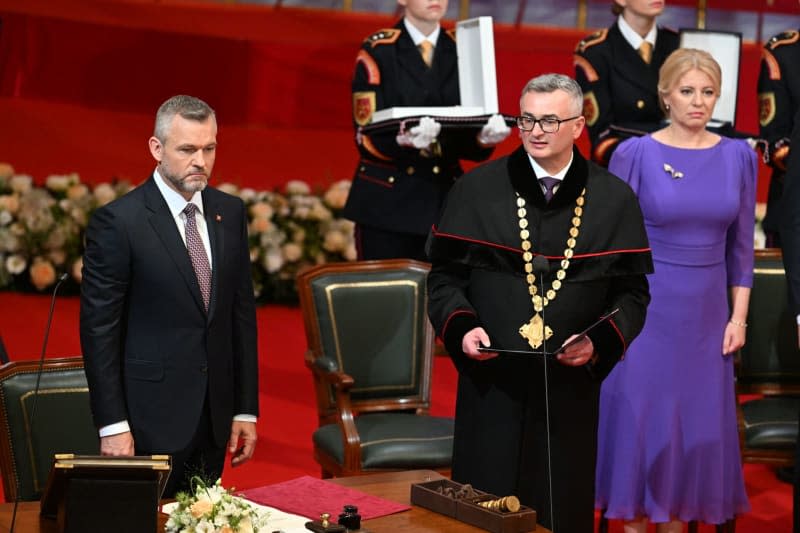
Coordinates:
362	168
640	104
436	169
391	179
410	171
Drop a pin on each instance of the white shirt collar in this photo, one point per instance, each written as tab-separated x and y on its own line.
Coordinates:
175	201
633	38
541	173
417	35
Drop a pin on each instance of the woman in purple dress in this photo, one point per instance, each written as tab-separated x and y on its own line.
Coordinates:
668	449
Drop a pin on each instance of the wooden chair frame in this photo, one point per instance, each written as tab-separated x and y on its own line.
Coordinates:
344	408
8	462
773	457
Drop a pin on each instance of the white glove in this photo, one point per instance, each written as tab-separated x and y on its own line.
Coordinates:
420	136
494	131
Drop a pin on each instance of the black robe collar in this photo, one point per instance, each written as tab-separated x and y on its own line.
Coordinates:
526	183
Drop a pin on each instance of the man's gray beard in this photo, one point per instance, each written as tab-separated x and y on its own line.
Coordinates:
185	186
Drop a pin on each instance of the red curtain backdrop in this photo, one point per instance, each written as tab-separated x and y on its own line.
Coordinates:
279	79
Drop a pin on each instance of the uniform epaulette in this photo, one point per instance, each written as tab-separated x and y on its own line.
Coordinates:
593	39
787	37
384	36
451	33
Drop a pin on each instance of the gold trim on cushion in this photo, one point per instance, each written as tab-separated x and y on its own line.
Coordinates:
25	418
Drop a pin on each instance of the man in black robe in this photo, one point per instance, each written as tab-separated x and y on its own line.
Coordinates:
483	290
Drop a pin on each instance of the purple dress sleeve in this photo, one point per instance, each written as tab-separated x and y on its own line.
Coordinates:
739	249
626	162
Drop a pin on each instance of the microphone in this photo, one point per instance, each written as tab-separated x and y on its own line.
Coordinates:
61	280
541	266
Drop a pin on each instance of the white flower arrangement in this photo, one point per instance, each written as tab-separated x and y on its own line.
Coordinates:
213	509
42	230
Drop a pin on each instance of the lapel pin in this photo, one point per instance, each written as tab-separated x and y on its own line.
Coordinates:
218	218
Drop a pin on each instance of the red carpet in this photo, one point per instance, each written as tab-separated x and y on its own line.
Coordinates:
288	412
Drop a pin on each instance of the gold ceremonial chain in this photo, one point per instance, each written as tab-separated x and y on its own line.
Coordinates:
535	331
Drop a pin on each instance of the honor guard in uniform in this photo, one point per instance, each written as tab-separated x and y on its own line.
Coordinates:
617	68
403	174
778	98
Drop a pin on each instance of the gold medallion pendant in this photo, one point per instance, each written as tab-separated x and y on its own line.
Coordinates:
535	332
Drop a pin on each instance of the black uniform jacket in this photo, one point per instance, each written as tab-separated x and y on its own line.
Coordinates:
790	220
394	187
620	89
477	279
779	100
153	355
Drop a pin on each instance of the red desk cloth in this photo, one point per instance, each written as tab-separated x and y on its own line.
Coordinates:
308	496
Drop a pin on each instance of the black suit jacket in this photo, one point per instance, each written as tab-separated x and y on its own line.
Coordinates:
620	89
398	188
790	218
152	353
778	98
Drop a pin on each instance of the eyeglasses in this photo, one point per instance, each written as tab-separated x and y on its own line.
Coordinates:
548	125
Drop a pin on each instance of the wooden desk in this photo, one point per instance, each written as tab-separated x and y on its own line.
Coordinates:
395	486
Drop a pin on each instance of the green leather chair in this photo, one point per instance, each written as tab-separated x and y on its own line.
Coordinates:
62	423
769	366
370	348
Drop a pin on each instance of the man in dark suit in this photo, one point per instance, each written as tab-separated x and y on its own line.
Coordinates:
168	327
403	176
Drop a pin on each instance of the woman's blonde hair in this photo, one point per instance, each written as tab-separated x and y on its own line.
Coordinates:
682	61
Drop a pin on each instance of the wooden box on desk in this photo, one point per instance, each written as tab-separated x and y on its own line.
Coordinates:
429	495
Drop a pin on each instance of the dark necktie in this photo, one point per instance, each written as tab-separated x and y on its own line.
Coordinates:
549	183
197	253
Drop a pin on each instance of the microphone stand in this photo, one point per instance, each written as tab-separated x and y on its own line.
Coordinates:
61	280
540	268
